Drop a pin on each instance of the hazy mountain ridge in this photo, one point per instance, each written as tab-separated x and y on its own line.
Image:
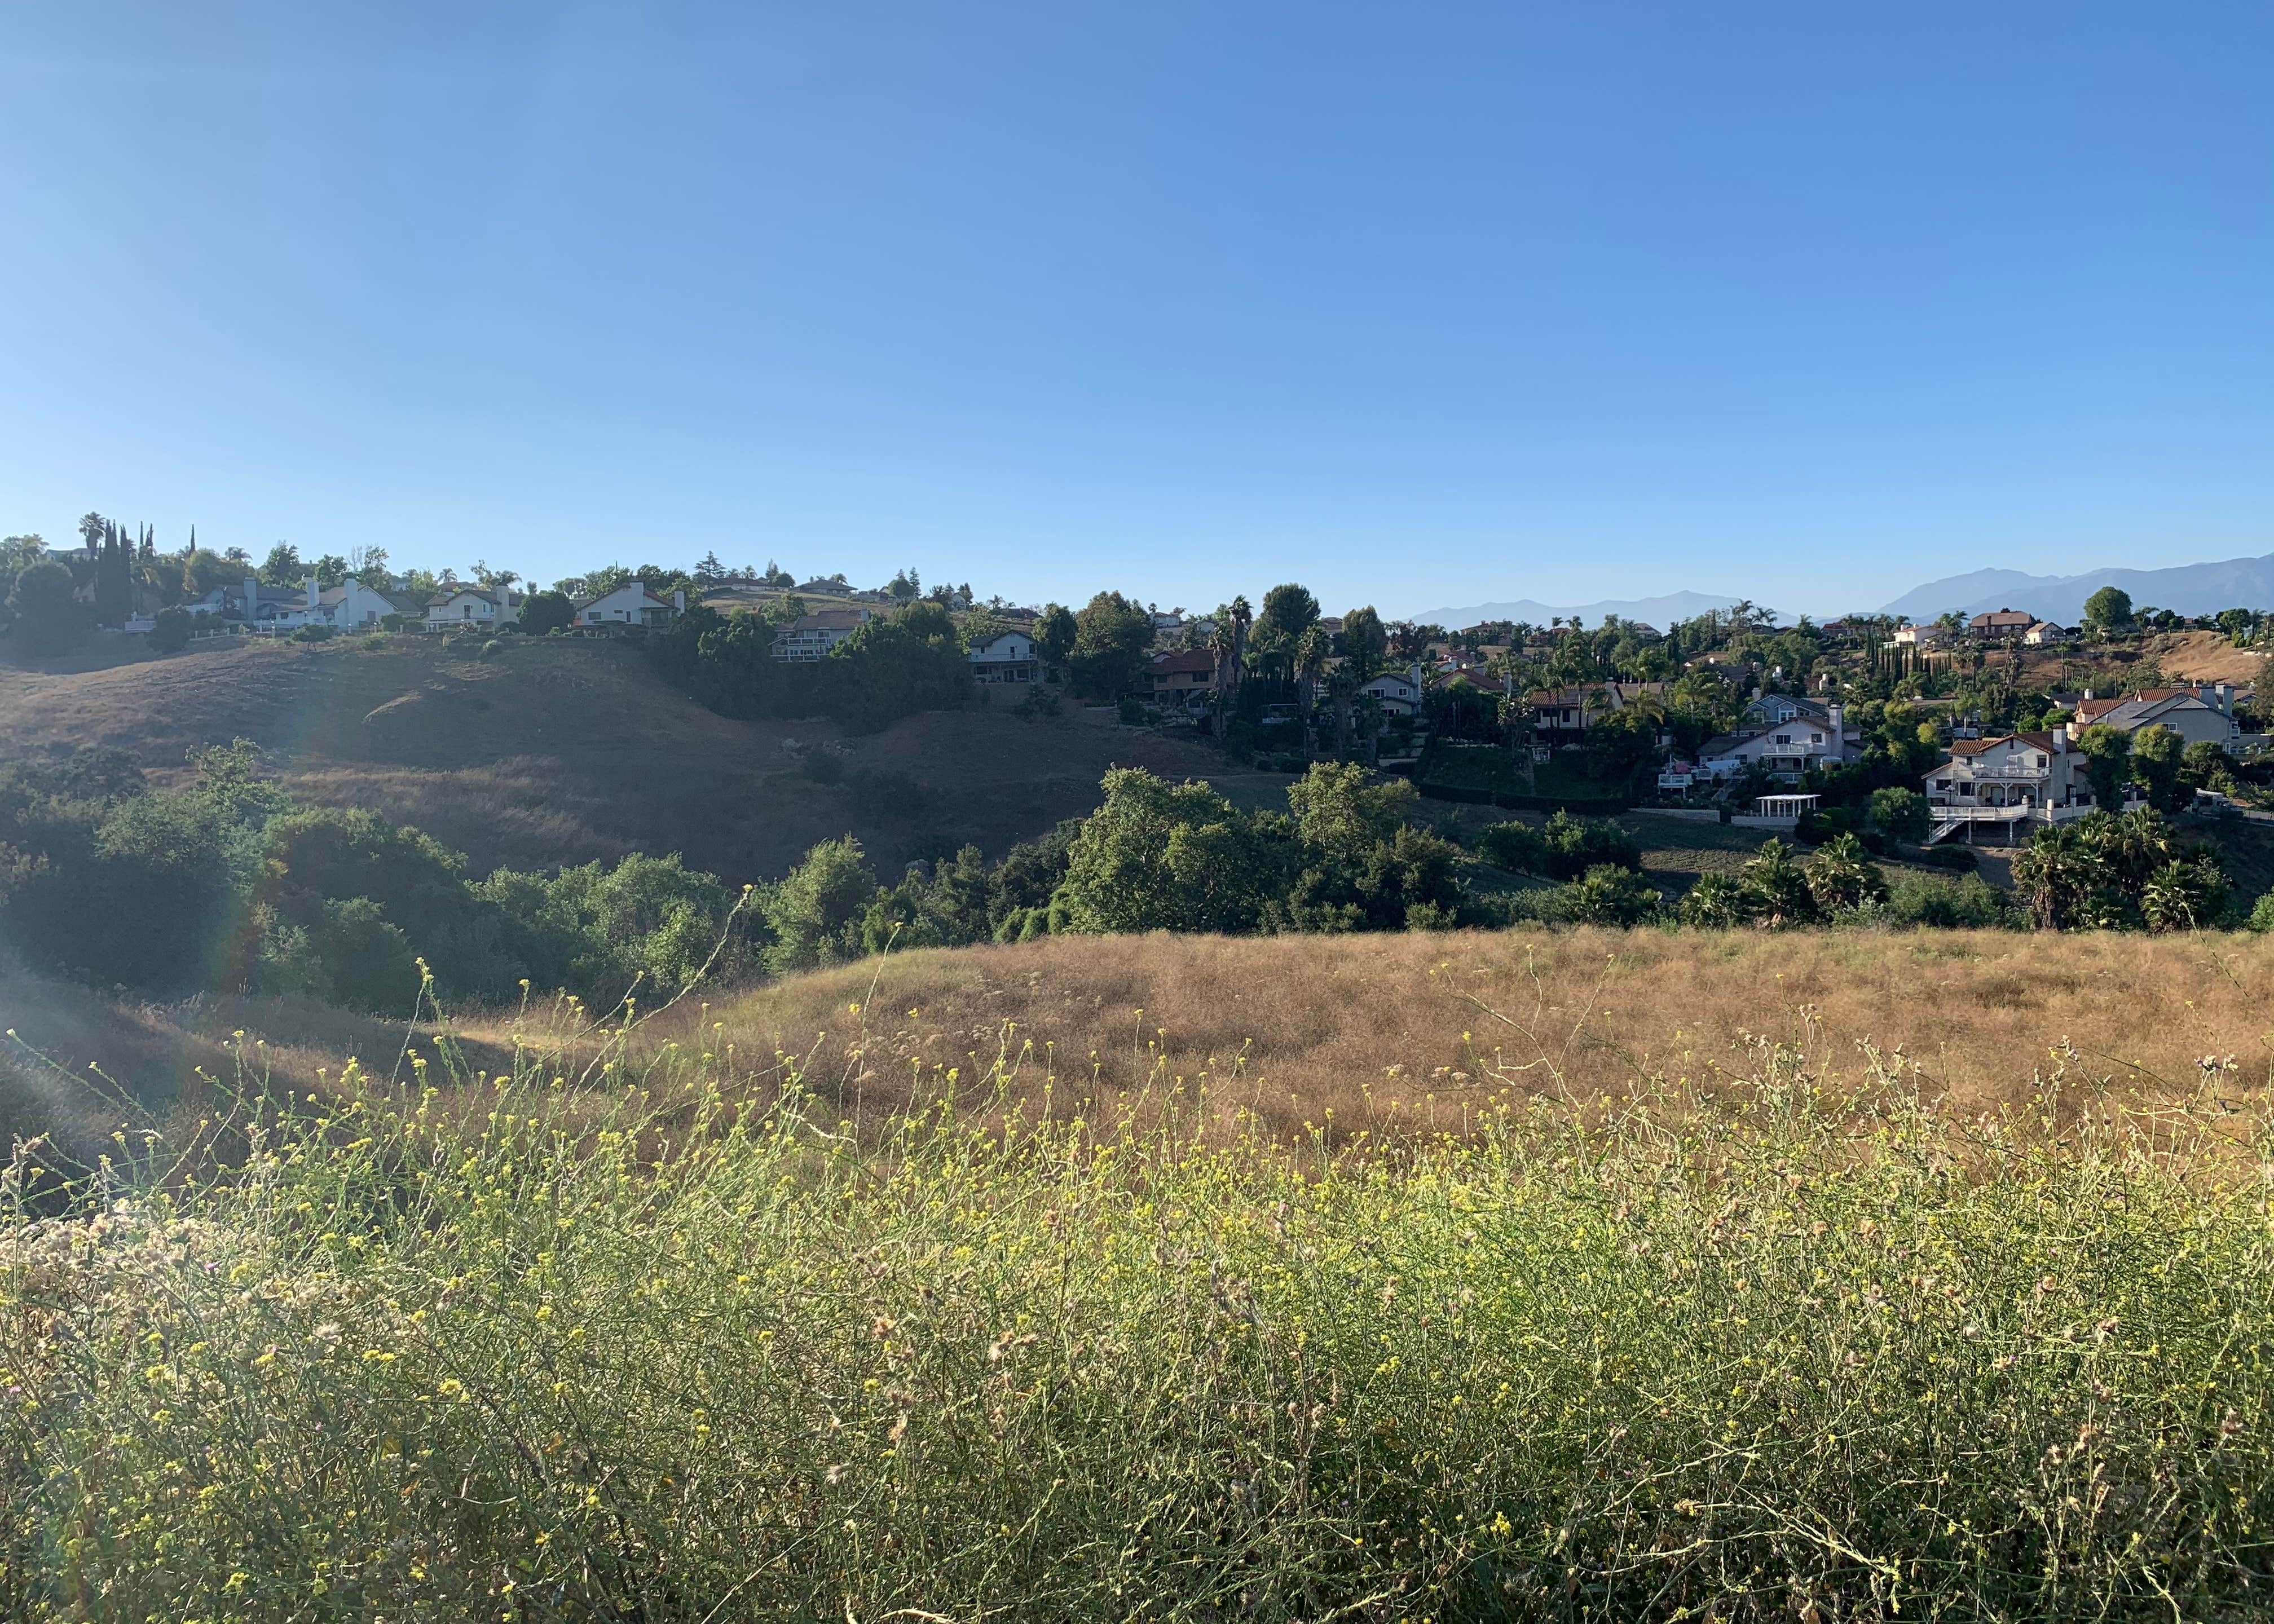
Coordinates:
2187	589
1659	612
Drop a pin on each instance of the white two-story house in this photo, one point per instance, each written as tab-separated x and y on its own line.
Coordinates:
811	637
1787	735
1399	691
1006	656
2010	781
352	607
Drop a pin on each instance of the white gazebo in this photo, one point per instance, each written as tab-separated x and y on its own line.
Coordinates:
1782	811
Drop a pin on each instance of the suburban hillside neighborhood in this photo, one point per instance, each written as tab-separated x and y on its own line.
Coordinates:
1993	719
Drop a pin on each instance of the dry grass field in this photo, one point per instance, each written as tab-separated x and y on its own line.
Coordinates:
667	1342
2208	657
1382	1031
569	750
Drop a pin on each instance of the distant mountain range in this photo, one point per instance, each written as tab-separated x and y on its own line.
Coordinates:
2186	589
1659	612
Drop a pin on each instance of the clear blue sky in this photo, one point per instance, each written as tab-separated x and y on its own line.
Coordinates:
1418	304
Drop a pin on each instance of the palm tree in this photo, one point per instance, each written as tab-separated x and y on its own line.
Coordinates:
2055	874
1779	887
1308	658
1841	875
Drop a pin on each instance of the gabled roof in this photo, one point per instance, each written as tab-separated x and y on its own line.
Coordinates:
1975	747
648	599
2137	706
403	601
830	620
989	642
1171	665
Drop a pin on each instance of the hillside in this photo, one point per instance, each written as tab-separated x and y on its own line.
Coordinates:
1378	1029
564	751
1157	1323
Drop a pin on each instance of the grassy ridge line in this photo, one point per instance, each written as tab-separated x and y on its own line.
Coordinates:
544	1353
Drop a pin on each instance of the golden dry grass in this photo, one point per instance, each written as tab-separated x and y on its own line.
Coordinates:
1384	1031
1388	1029
2208	657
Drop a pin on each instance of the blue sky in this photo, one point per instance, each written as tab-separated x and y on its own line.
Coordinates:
1419	305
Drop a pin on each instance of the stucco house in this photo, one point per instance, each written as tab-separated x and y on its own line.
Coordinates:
476	608
2008	784
353	606
811	637
1786	735
1561	716
2000	623
1399	691
629	608
1006	656
2201	714
1184	679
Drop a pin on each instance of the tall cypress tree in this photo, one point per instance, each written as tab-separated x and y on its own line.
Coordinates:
114	581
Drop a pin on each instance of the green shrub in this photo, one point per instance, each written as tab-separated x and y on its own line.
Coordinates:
1971	903
170	633
1899	814
1608	895
543	614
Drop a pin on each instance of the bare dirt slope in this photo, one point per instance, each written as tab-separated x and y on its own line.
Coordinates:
562	751
2207	656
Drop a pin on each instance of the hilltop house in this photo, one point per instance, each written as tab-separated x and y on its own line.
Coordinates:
351	606
629	607
812	636
1006	656
2000	623
2006	782
1561	716
1919	636
2202	714
2045	632
1399	691
1184	680
472	607
1786	735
